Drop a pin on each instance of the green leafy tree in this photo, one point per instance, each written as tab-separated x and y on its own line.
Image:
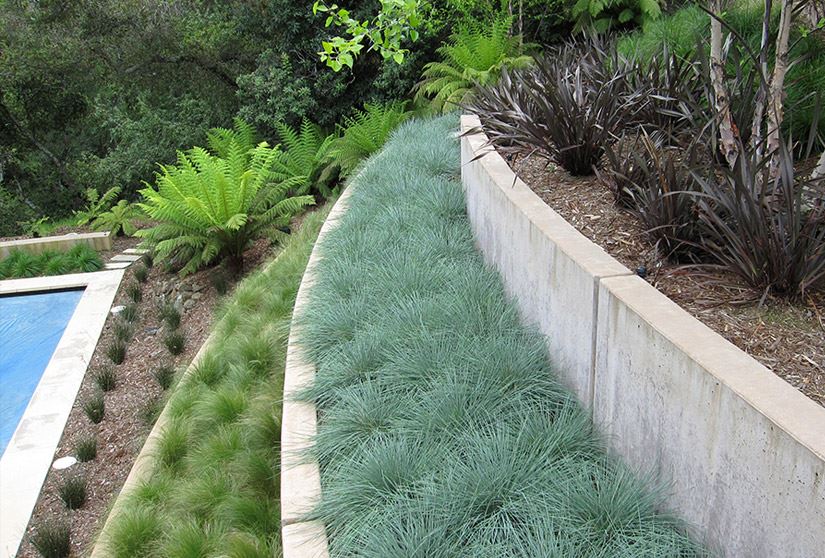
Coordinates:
474	56
396	21
212	208
365	133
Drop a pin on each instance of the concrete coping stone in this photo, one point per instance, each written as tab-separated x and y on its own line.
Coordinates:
30	452
300	477
590	256
767	393
97	240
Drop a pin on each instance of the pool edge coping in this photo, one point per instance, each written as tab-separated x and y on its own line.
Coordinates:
38	433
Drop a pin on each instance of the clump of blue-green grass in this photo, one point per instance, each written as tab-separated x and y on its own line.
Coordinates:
443	431
214	489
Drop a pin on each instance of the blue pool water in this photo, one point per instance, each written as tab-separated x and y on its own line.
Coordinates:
31	325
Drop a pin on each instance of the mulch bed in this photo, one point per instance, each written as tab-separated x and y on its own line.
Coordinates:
134	404
788	339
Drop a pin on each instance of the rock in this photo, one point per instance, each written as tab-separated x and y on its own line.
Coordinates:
151	330
117	310
189	304
197	296
197	287
64	462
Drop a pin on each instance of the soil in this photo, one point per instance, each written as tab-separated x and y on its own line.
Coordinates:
132	407
788	339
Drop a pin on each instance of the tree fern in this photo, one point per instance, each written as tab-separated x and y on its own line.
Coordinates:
119	219
221	140
305	162
474	56
365	133
212	208
96	204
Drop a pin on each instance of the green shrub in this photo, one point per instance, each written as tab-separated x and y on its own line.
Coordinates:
134	292
141	273
52	539
116	351
165	375
95	408
220	281
474	56
119	219
129	313
106	378
602	15
96	205
175	342
86	449
365	133
304	164
212	208
170	315
79	259
73	492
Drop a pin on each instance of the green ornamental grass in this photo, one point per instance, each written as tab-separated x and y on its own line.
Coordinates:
443	429
215	487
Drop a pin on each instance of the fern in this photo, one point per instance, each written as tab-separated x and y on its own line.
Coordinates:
96	205
474	56
212	208
119	219
221	140
365	133
305	163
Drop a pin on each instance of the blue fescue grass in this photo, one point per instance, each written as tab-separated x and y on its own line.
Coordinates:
443	430
214	490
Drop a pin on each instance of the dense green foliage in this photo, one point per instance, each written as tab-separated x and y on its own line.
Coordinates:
603	15
443	430
94	94
78	259
212	207
475	55
365	133
214	488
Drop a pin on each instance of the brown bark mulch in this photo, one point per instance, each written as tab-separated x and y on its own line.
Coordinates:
787	338
132	407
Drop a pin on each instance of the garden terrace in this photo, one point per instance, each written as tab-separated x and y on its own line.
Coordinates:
442	428
207	481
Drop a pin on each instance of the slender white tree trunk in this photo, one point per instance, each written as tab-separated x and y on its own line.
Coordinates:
819	170
777	87
721	98
762	95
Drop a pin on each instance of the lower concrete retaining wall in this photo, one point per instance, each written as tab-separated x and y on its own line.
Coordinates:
99	241
744	451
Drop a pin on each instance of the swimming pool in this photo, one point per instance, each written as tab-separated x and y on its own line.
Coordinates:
31	326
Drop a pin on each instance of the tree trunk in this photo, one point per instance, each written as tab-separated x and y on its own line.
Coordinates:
813	12
727	137
762	95
819	170
777	88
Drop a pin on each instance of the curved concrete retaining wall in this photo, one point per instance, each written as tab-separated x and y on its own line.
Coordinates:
98	241
300	478
744	450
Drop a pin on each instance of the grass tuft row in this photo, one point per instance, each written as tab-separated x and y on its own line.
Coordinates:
443	430
214	489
